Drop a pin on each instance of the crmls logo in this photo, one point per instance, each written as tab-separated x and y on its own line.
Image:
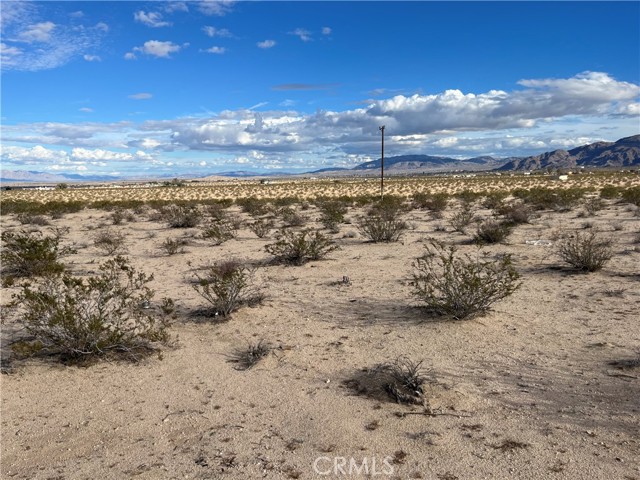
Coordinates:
351	466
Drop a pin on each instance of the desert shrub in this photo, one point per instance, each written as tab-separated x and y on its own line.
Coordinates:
217	211
492	231
250	356
516	213
436	203
220	231
462	219
182	216
110	242
381	228
173	246
332	214
291	218
494	200
28	219
261	227
404	380
119	215
286	201
299	248
610	192
468	197
32	254
226	286
546	198
587	252
461	286
82	318
593	205
253	206
389	205
53	208
631	195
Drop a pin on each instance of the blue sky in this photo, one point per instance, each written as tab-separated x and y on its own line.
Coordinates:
169	88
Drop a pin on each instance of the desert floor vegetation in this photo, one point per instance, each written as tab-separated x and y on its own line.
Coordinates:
346	353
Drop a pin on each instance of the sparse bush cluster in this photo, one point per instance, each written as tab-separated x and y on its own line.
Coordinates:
27	254
83	318
461	286
299	248
382	222
226	285
585	251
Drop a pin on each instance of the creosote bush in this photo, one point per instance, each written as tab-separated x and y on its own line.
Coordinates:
220	231
32	254
226	285
79	318
261	227
182	216
585	251
299	248
110	242
381	228
492	232
332	214
460	286
462	219
173	246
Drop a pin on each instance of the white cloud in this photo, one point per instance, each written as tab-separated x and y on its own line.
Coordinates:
39	32
301	33
326	30
130	56
150	19
216	32
215	7
171	7
77	14
216	50
86	109
156	48
92	58
141	96
267	44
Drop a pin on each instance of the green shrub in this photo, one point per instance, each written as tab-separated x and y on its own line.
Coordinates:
332	214
291	218
462	219
111	242
631	195
381	228
491	231
181	216
77	318
173	246
299	248
610	192
226	286
253	206
461	286
220	231
516	213
494	200
261	227
587	252
436	203
32	254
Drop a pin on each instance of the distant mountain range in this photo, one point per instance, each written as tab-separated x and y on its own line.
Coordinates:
623	153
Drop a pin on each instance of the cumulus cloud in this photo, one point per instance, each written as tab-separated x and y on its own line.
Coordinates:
156	48
267	44
538	115
215	7
216	32
302	34
40	154
150	19
216	50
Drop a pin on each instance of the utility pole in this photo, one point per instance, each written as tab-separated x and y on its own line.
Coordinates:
382	164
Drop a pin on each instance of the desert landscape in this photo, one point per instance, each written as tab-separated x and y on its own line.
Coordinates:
295	382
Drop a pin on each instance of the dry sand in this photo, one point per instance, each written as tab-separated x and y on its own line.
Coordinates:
524	392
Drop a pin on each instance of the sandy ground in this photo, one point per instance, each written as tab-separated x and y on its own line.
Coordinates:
524	392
